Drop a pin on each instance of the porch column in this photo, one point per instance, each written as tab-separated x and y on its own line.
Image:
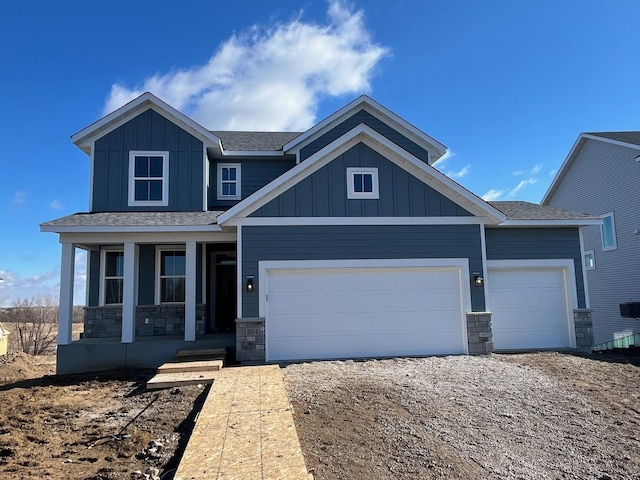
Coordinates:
128	294
65	310
190	293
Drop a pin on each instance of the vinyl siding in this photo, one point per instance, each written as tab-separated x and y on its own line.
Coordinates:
366	118
148	131
255	174
358	242
537	244
604	178
324	193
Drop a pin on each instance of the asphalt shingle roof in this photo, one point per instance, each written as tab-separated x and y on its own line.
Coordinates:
627	137
254	141
136	219
517	210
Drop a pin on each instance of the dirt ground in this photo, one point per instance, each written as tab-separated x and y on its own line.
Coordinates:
528	416
95	426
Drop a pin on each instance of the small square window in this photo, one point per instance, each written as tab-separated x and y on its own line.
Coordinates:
148	178
608	230
229	181
590	260
362	183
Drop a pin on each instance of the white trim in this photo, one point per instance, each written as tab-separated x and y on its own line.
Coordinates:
364	102
158	282
613	232
260	221
462	264
351	191
65	311
129	293
585	282
205	179
190	292
485	269
103	266
551	223
237	181
239	282
571	293
204	282
92	175
389	150
155	238
132	178
129	228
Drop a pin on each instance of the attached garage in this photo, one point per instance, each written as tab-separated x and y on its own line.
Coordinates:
532	304
350	309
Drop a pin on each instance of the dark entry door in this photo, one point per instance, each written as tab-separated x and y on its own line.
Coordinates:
224	278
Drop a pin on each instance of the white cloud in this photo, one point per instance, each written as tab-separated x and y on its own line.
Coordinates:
553	172
514	191
460	173
441	161
534	171
493	194
270	78
56	204
19	200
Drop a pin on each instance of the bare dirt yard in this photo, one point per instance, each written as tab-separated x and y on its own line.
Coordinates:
530	416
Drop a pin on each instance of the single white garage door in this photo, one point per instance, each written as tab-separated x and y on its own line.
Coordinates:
324	313
531	308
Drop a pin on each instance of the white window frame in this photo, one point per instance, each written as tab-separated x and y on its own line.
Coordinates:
237	181
103	274
351	193
587	254
159	250
614	246
132	179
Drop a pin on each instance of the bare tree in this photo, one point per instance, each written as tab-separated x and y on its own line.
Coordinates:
34	323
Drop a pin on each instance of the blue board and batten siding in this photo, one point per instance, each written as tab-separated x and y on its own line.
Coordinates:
324	193
149	131
538	244
378	125
255	174
348	242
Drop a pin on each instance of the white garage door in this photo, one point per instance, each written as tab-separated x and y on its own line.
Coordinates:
340	312
531	308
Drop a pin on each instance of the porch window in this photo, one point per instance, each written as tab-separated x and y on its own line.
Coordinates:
113	262
148	178
229	181
362	183
172	275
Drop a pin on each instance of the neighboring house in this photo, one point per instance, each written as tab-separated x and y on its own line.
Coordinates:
601	175
341	241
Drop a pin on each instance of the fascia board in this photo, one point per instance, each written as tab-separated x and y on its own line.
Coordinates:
128	229
399	156
550	223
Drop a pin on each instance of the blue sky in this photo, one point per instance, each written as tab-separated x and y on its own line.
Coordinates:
506	85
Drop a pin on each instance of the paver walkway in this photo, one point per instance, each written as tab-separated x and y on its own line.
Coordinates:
245	430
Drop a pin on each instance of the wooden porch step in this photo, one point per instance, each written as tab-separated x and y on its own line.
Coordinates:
191	366
176	379
202	352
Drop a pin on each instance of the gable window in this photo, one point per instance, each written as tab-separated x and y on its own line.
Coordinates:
148	178
228	181
171	275
608	230
590	260
112	276
362	183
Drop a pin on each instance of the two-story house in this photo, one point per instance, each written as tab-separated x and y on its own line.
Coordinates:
339	242
601	175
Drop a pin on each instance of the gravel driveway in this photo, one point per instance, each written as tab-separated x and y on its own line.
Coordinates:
542	416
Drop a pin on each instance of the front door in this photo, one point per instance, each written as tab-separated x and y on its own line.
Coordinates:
223	280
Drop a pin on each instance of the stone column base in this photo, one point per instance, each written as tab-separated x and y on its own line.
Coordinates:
250	340
479	334
584	329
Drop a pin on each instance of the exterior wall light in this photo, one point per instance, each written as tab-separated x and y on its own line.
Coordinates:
249	283
478	281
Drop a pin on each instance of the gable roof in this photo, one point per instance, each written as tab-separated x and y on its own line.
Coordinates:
85	137
364	102
625	139
254	141
391	151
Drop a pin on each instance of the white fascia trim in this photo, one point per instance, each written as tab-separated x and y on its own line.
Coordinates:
88	239
550	223
128	229
205	178
84	138
295	221
364	102
91	175
402	158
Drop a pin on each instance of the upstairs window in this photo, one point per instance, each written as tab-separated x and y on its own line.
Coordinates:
148	178
228	181
172	275
362	183
608	230
113	275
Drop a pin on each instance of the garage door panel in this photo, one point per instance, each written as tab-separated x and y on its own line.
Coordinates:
352	312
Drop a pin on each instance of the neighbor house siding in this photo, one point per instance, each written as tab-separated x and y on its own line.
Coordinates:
366	118
149	131
324	193
358	242
585	188
255	174
537	244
